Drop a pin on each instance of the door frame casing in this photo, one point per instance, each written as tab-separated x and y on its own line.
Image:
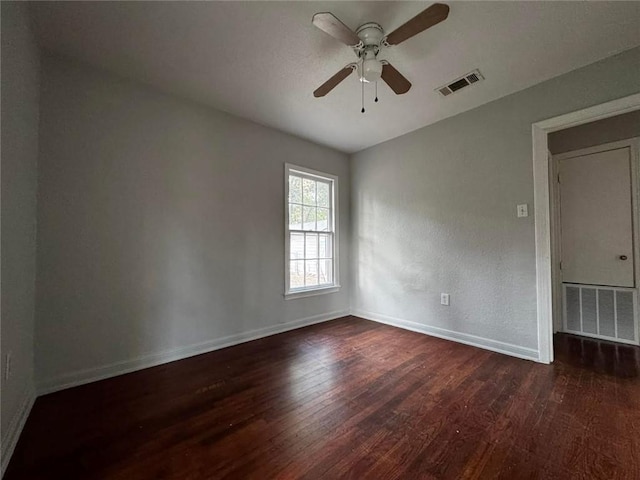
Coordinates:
542	206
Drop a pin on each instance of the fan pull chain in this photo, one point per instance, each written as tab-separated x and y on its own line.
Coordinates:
362	84
376	92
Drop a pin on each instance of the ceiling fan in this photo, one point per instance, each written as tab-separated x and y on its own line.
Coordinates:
367	41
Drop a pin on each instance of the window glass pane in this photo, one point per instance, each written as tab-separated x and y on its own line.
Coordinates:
296	274
309	218
295	189
296	246
311	277
323	194
322	217
308	192
311	245
325	273
295	217
324	249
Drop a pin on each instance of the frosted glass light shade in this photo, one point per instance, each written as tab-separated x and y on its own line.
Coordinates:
371	70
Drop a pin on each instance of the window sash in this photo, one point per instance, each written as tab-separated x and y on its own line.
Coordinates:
317	258
292	172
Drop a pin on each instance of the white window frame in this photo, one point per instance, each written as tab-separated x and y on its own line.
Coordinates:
313	175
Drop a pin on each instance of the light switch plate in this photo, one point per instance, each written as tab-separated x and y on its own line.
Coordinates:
523	210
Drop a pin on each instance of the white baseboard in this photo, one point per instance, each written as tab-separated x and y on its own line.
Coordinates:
467	339
12	434
89	375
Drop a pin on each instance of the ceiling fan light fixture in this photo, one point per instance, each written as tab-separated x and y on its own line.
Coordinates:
371	70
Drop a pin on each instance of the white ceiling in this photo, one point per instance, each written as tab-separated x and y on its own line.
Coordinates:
262	60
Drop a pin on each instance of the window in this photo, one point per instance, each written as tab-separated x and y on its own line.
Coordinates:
311	232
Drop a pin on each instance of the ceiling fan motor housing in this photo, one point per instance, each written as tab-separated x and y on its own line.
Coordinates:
370	33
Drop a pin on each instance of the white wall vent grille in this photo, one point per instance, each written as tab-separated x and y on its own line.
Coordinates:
459	83
602	312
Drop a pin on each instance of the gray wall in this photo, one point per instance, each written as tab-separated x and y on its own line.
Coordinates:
160	224
620	127
435	210
20	91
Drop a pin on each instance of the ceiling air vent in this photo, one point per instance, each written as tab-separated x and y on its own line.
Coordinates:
460	83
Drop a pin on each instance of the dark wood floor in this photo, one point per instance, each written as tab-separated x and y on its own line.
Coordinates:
348	399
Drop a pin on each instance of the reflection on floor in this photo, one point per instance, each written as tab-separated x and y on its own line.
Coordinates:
600	356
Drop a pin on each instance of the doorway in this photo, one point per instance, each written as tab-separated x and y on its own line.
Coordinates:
594	237
542	181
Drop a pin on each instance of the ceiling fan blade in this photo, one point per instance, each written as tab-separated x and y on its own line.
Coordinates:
395	79
333	82
433	15
328	23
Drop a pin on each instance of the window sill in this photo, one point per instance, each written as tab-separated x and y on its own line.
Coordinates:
311	292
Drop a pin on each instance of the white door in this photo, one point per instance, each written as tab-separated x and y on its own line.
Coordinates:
596	219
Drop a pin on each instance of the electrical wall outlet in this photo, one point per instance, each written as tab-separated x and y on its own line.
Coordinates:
444	299
7	366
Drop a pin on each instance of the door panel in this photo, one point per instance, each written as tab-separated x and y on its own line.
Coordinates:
596	219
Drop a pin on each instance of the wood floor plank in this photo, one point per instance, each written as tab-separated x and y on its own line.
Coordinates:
348	399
